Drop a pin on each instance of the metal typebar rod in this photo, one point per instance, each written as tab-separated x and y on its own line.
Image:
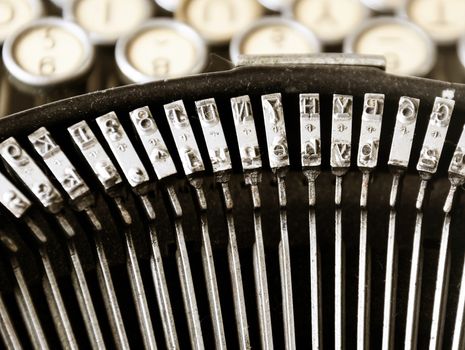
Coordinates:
27	308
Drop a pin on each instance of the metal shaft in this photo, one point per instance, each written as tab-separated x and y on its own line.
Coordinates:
441	289
364	279
260	274
185	276
212	285
458	340
390	289
84	298
109	296
27	309
315	284
236	272
208	263
138	294
161	289
416	269
56	304
187	285
285	269
315	275
339	273
7	330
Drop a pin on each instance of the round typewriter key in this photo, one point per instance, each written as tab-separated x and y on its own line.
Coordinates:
274	36
16	13
159	49
61	51
107	20
219	20
407	48
331	20
443	20
277	5
384	5
168	5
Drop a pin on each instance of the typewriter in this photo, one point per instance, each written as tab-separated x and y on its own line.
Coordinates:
232	174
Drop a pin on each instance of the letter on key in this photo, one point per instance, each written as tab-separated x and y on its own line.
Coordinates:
58	163
310	136
184	137
341	132
153	142
122	149
95	155
404	132
214	136
275	131
370	132
435	135
31	175
246	133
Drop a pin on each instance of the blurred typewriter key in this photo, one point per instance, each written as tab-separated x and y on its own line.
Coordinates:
384	6
13	15
63	55
331	20
443	20
168	5
160	49
16	13
408	49
107	20
274	36
219	20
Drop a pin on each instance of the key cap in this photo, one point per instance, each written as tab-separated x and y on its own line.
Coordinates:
160	49
218	21
408	49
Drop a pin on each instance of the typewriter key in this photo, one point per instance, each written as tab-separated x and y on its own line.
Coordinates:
219	20
160	49
331	20
13	15
408	49
16	13
168	5
107	20
427	166
399	156
367	160
193	167
457	179
384	5
443	20
62	53
341	149
278	156
220	160
276	36
251	160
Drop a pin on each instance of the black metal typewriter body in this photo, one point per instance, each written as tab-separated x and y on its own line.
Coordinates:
289	80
